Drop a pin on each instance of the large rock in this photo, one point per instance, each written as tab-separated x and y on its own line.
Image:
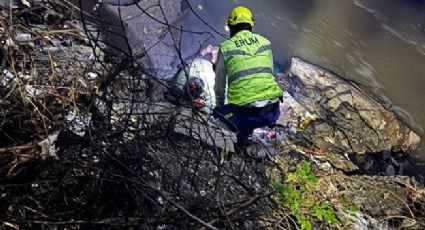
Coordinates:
343	117
332	116
147	31
188	122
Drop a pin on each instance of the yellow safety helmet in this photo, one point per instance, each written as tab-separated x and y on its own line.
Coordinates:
240	14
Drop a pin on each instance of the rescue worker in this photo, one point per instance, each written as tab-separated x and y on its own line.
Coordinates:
245	68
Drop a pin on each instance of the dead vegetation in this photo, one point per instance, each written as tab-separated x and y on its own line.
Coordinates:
83	145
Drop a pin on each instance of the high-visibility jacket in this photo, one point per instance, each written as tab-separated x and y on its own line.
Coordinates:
249	65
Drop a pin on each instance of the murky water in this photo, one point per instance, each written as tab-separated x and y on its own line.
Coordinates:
379	44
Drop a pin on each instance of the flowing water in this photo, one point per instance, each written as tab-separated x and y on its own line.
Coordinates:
379	44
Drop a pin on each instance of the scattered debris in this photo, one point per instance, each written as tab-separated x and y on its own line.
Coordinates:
48	148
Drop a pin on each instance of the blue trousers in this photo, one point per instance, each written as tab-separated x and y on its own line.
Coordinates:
243	124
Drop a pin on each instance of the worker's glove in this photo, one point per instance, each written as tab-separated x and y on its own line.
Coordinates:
199	102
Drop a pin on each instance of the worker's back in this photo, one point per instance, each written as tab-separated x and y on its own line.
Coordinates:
249	68
245	67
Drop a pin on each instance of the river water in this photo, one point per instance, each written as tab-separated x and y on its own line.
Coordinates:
379	44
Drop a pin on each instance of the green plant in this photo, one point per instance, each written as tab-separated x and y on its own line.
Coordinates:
325	212
294	196
349	205
305	174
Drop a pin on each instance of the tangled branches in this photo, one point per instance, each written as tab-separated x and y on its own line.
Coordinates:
85	142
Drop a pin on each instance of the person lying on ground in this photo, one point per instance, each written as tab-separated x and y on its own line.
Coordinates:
194	84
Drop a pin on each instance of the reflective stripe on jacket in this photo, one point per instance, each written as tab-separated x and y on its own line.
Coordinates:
249	65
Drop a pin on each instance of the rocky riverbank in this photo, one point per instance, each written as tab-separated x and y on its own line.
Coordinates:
83	145
355	145
339	118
